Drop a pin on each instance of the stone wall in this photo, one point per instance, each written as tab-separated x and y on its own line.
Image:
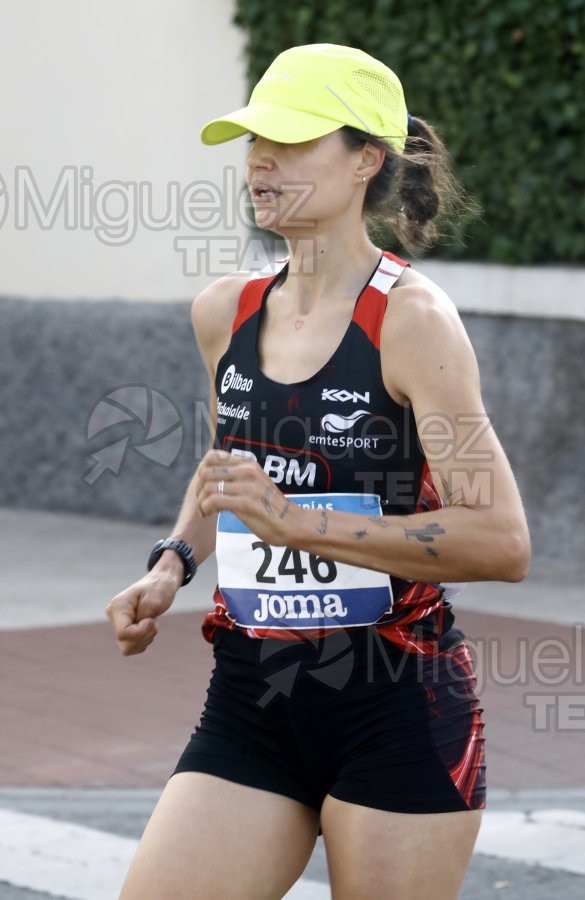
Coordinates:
74	379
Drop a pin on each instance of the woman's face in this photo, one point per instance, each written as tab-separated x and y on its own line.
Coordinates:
296	188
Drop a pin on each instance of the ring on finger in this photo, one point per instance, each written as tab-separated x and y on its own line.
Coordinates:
220	487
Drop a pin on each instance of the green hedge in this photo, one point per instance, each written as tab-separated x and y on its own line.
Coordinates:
504	83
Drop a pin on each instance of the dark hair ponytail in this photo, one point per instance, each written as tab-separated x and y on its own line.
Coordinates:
413	192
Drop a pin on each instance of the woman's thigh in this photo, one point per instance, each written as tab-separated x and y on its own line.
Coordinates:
396	856
213	839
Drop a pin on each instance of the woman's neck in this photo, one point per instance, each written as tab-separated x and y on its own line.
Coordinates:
325	265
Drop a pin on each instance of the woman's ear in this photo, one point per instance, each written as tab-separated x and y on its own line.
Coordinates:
370	162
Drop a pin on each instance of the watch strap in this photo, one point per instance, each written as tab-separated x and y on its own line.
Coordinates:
182	549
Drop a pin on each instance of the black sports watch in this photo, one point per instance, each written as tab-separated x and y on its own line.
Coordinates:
182	548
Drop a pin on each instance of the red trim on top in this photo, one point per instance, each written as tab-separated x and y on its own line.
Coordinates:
371	306
396	259
428	496
250	300
369	314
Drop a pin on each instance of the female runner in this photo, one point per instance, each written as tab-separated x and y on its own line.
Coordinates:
354	481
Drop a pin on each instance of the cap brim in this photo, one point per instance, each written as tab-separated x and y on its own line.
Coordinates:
276	123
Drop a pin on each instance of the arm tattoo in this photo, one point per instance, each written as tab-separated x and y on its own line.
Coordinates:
269	508
427	534
361	533
381	521
449	494
323	524
266	503
430	552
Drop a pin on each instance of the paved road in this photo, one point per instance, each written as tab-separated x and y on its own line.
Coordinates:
101	769
122	815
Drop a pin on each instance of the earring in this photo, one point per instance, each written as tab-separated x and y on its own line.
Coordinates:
363	178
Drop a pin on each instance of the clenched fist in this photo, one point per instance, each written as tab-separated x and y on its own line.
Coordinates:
133	612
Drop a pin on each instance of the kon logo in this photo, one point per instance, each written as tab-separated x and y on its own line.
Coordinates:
342	396
285	471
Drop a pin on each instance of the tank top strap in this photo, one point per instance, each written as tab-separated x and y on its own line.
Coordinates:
370	309
253	292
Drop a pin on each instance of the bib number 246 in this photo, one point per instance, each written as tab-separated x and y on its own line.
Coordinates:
291	563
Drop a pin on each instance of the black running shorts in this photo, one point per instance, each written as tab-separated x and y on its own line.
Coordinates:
350	715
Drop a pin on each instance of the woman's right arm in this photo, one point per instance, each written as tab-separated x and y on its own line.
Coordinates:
133	612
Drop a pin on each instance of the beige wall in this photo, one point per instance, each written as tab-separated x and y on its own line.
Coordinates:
94	93
121	86
549	292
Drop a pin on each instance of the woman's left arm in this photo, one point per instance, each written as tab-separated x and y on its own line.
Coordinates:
480	534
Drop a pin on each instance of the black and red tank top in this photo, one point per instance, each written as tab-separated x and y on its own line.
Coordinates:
338	431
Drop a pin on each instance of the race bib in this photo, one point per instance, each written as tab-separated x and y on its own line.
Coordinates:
276	587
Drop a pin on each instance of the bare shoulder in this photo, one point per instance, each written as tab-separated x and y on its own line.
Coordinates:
422	335
417	299
212	314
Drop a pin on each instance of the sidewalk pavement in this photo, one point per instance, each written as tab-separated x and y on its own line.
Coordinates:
76	716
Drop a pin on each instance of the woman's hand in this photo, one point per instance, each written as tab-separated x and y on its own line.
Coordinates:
239	484
133	611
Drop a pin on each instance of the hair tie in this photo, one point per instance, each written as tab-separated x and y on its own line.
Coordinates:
410	118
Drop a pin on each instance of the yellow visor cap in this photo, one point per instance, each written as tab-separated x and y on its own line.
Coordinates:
315	89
